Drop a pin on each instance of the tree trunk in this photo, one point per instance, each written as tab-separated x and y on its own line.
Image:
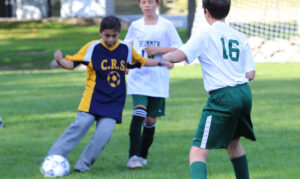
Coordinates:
49	13
191	15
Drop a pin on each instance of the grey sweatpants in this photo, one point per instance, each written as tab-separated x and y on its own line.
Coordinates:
74	133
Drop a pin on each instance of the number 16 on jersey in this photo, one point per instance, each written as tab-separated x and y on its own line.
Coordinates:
234	53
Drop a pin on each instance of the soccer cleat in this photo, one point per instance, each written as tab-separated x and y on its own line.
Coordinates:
142	160
133	162
78	171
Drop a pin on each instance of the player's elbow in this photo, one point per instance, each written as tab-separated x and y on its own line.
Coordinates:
250	75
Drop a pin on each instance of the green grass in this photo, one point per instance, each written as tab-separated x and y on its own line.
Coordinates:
37	106
30	45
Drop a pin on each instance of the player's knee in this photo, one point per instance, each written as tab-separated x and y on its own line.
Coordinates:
150	121
198	154
140	106
234	145
235	149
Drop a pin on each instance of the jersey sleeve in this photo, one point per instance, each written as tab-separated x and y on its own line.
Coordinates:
192	49
84	54
137	58
249	62
173	36
129	38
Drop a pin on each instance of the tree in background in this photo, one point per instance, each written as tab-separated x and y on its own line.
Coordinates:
49	8
191	15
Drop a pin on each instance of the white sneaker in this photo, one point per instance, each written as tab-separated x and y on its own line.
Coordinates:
142	160
134	162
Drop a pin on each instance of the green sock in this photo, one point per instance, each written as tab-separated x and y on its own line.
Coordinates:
147	139
240	165
198	170
135	132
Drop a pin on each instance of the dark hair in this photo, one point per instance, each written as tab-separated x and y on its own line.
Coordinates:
218	9
110	22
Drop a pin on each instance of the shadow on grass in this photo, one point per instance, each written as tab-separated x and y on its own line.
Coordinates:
37	107
168	156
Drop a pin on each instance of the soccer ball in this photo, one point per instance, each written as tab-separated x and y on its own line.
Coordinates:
55	166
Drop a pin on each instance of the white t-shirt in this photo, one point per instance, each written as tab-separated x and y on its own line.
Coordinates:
151	81
224	54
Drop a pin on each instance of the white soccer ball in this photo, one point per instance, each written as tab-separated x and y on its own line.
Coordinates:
55	166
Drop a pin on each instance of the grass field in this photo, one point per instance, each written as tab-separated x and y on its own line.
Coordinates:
30	45
37	106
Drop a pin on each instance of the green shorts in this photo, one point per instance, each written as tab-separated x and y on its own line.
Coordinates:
225	117
155	106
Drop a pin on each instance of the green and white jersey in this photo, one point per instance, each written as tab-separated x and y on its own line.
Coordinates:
151	81
224	54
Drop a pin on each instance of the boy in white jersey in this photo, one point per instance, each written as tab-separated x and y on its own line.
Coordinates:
228	66
151	36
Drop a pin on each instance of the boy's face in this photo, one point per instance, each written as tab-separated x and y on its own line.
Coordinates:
110	37
148	6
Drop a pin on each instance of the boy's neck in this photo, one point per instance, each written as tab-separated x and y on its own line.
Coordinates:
212	21
151	20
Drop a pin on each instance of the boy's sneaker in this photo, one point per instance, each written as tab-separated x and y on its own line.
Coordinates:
134	162
142	160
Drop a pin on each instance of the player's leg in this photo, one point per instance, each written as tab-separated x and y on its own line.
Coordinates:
244	128
215	131
198	162
72	135
238	159
147	138
200	147
155	108
138	116
102	135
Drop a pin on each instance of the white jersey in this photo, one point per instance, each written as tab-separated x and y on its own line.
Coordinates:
224	54
151	81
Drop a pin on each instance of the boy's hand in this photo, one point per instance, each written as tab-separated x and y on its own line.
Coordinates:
167	64
152	50
58	56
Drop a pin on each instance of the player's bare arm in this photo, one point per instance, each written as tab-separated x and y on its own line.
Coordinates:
153	62
63	62
159	50
175	56
250	75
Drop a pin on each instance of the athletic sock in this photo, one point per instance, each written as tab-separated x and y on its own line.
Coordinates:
198	170
147	139
240	165
138	117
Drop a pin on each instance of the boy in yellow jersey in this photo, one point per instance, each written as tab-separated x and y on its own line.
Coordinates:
105	91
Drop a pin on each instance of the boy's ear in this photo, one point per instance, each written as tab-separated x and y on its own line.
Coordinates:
207	13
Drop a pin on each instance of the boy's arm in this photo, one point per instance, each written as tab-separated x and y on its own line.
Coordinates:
153	62
137	58
69	65
175	56
159	50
